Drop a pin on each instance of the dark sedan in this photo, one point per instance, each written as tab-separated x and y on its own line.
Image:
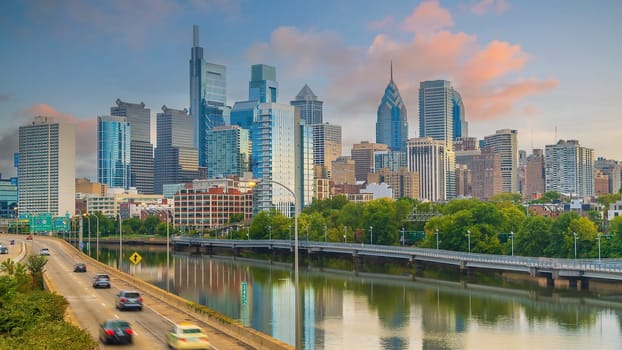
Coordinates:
79	267
115	331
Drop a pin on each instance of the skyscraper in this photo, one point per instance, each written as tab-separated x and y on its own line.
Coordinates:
534	175
392	122
47	168
309	105
326	144
263	86
229	151
569	169
461	126
426	156
208	96
113	151
505	143
141	149
175	158
363	156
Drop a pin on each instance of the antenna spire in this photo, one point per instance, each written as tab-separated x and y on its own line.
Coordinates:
391	70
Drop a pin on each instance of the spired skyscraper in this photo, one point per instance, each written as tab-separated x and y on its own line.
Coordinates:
309	105
113	151
392	122
208	96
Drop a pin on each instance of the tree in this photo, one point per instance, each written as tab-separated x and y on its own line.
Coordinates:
36	265
533	236
150	224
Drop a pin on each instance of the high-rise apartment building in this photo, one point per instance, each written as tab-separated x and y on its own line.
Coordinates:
426	156
363	156
326	144
309	105
392	121
244	113
569	169
175	158
263	86
613	169
229	151
208	96
505	143
113	152
141	149
47	168
486	174
534	175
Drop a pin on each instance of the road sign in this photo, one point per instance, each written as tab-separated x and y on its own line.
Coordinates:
135	258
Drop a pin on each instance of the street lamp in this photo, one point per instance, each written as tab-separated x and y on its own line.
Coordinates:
371	234
270	233
97	236
469	239
248	232
403	237
17	218
345	234
168	277
298	344
120	241
325	234
599	234
575	244
436	239
88	217
512	237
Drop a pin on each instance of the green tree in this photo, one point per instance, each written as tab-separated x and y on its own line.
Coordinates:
35	266
586	233
150	224
533	236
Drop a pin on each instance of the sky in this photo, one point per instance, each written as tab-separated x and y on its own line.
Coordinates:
548	69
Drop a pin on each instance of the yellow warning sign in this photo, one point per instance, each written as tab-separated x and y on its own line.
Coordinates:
135	258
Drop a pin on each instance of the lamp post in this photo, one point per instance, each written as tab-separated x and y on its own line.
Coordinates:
371	235
403	237
168	277
325	234
345	234
17	218
270	233
97	236
469	239
436	239
298	344
599	234
575	244
248	232
120	241
512	238
88	218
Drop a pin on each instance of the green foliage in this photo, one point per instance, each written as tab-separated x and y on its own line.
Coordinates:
54	335
533	236
515	198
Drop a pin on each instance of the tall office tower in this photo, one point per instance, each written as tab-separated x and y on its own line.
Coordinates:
263	85
244	113
326	144
461	126
208	96
426	156
141	149
436	120
505	143
47	168
613	169
391	160
486	177
569	169
534	175
392	122
175	158
229	151
113	152
304	182
522	171
363	156
343	171
310	107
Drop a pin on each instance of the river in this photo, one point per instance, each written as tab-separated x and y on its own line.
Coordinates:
342	309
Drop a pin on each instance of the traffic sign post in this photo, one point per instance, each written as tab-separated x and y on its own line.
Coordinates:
135	258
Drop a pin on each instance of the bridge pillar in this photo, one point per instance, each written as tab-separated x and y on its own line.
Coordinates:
236	252
533	271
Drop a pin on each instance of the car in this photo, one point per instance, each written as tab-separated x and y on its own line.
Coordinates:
79	267
101	280
187	336
12	242
4	250
129	299
115	331
29	238
44	251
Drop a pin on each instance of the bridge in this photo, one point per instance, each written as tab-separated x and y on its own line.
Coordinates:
570	269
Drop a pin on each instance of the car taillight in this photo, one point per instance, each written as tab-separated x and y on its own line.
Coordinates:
140	299
204	339
109	332
129	331
122	300
182	339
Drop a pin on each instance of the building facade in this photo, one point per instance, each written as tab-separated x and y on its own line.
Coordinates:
47	168
569	169
263	86
534	175
363	156
326	145
392	120
486	174
343	171
505	144
402	182
141	149
309	105
175	158
427	157
229	151
113	152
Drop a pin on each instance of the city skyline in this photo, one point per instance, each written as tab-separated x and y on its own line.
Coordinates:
517	65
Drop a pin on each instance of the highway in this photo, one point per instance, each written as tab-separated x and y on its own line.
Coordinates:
90	306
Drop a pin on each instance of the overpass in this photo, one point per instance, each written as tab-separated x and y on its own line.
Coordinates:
571	269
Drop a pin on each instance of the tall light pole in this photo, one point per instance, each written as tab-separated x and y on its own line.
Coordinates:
168	277
88	248
512	237
270	233
17	218
298	344
248	232
575	244
371	235
97	236
325	234
599	234
469	239
403	237
436	239
120	241
345	234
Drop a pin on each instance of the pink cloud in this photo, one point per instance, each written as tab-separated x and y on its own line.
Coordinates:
380	24
484	6
428	17
496	60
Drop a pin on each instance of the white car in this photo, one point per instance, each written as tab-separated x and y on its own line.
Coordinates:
187	336
44	251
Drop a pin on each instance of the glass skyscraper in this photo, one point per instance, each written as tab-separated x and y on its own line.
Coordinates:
263	86
229	151
392	122
309	105
175	158
461	126
113	151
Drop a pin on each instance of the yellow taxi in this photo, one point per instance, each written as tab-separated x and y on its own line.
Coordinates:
187	336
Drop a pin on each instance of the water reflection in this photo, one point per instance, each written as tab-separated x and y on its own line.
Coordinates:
343	309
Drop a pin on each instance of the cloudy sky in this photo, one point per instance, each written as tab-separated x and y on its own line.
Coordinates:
548	69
